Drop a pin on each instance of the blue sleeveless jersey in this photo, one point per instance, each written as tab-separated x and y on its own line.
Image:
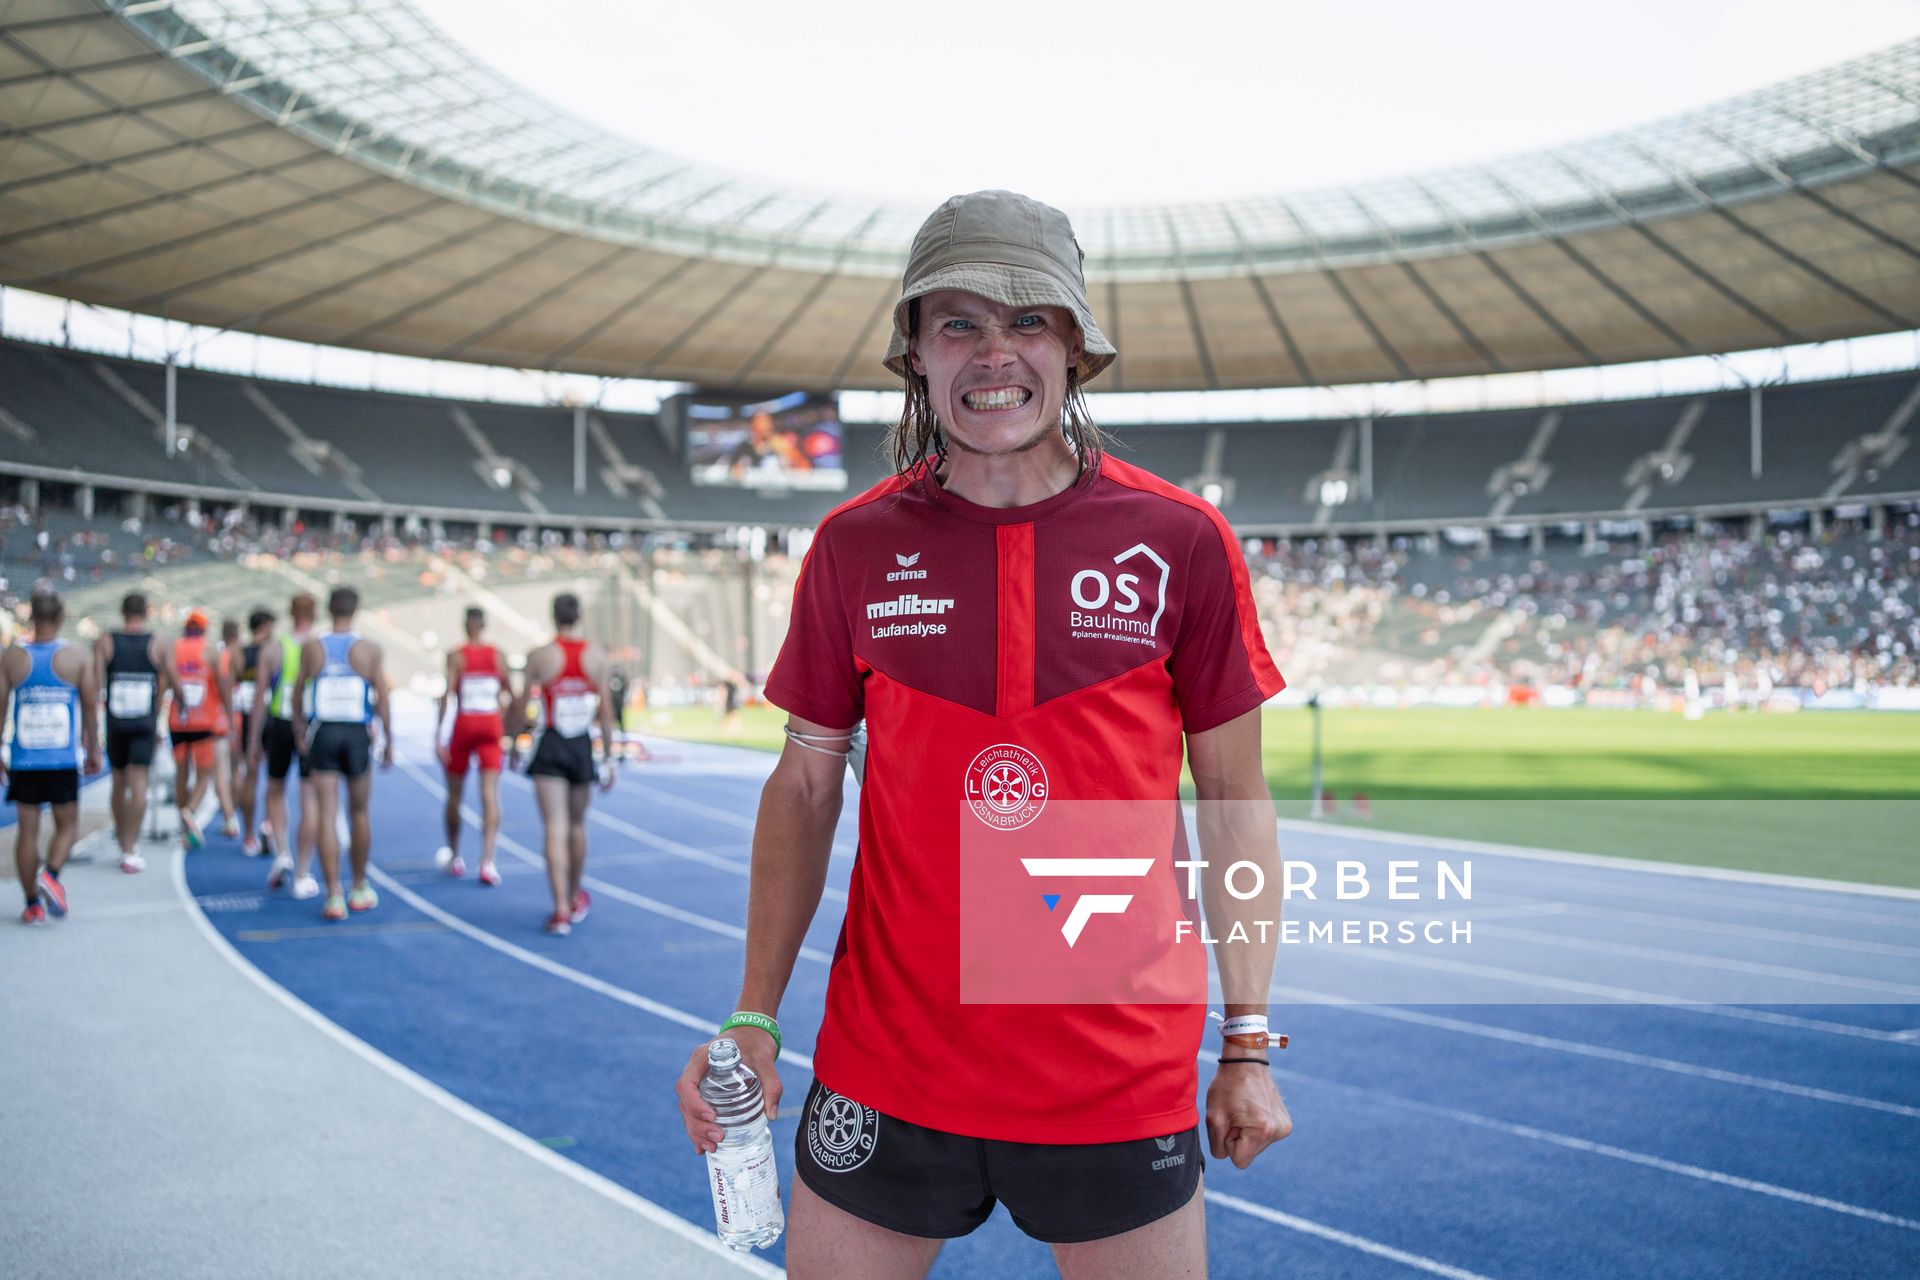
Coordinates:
340	695
46	716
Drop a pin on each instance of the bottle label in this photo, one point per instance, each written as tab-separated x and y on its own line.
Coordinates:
746	1197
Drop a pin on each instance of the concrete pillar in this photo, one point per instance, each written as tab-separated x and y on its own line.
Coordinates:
289	518
1756	527
1816	522
30	495
1589	538
1877	520
386	525
1645	531
485	532
137	504
1537	539
86	499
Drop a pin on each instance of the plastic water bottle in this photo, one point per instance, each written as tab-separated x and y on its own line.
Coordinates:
741	1174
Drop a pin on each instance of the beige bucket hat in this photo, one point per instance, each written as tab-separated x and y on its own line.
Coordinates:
1010	249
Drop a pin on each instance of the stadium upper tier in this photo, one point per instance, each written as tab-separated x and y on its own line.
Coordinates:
74	418
346	174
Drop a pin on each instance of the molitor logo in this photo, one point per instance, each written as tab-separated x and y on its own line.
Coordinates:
1006	786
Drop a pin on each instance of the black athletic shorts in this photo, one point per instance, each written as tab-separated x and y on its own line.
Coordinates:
187	737
129	750
923	1182
276	744
558	757
35	787
337	748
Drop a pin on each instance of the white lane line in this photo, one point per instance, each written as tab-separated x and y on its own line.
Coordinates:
1730	965
1621	995
1314	997
1733	930
732	866
1611	1152
707	1027
1581	1049
622	1196
1606	861
1720	903
602	888
728	816
1337	1236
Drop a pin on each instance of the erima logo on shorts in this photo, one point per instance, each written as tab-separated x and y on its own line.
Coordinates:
906	571
1168	1143
841	1134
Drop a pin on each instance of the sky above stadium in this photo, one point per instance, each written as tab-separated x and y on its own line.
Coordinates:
1123	101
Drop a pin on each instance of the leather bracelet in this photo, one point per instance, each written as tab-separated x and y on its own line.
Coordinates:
1228	1062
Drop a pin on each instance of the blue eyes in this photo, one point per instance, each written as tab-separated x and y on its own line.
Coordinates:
1027	322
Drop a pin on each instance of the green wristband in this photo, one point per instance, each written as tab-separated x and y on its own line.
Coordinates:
743	1018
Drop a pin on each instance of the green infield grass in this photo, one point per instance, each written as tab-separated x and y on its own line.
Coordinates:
1831	794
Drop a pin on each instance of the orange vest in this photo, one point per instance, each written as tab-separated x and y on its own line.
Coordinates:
198	707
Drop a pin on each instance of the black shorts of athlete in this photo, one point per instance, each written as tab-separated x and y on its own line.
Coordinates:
35	787
337	748
187	737
129	749
276	744
558	757
924	1182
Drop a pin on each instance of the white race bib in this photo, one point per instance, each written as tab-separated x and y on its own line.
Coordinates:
43	726
243	696
193	693
130	697
573	713
479	695
340	698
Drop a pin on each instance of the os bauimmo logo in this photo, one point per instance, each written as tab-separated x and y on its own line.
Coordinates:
1006	786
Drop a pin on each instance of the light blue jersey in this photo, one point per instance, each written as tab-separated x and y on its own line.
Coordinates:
46	715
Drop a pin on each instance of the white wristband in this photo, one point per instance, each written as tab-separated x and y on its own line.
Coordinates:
1245	1025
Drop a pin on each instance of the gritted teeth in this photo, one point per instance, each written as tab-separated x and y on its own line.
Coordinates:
997	398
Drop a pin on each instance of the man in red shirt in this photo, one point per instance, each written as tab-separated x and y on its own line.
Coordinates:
1023	622
476	686
568	676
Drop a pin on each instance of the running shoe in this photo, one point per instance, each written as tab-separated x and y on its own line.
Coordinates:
56	897
363	898
266	837
37	914
489	875
582	903
282	868
190	831
558	925
336	909
306	887
449	861
230	828
132	863
251	847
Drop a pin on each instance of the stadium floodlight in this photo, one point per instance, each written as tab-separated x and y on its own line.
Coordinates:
502	477
1213	491
1333	492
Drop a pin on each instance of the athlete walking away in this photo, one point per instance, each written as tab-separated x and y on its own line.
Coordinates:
1023	621
53	691
193	722
246	692
270	742
132	665
223	755
476	686
569	676
342	690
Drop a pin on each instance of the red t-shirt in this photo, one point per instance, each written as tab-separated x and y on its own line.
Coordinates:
477	696
1091	630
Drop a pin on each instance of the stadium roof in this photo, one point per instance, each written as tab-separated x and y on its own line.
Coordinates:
339	171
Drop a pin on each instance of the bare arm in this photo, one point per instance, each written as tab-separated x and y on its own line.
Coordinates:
90	713
6	690
1245	1113
792	843
262	681
382	705
312	658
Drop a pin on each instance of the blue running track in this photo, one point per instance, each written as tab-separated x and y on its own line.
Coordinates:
1496	1140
